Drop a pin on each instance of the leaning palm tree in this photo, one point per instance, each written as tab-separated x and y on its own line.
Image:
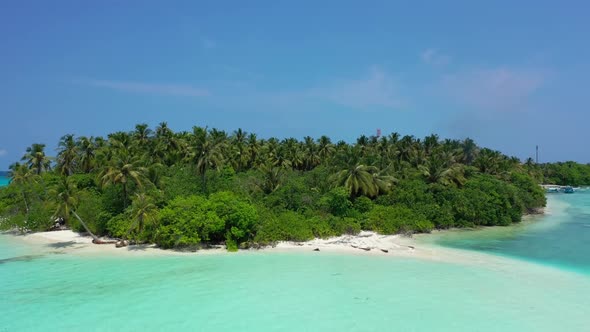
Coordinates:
65	195
36	159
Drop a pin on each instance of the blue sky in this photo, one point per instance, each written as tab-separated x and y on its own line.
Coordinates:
510	74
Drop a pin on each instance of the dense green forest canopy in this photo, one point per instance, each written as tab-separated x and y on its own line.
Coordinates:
193	189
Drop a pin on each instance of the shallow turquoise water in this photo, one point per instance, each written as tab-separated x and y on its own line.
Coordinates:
265	291
561	238
4	181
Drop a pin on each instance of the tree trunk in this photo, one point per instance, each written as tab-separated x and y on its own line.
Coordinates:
25	199
204	181
124	195
94	237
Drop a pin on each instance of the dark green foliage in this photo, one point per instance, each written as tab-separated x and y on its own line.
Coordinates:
531	194
119	225
84	181
489	202
363	204
345	225
238	216
112	200
337	202
186	222
566	174
40	217
194	220
90	210
287	226
181	181
396	219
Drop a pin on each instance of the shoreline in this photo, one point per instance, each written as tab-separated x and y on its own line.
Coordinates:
420	246
366	242
75	245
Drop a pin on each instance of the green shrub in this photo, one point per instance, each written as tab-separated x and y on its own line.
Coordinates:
395	219
286	226
91	211
336	202
363	204
222	217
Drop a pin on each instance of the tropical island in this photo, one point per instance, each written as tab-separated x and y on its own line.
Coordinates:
192	190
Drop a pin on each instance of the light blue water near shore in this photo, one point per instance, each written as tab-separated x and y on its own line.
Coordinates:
4	181
264	291
560	238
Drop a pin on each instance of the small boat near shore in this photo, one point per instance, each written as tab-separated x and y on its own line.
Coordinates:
550	188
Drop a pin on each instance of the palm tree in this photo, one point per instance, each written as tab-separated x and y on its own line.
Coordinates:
67	155
253	150
359	180
383	181
65	195
325	148
86	150
443	170
36	159
142	134
488	161
272	177
362	143
430	143
143	211
238	144
311	157
470	151
21	176
123	169
407	148
206	153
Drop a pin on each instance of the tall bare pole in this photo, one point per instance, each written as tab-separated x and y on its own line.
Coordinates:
537	155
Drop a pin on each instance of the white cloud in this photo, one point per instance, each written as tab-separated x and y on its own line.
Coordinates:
377	89
150	88
433	57
3	152
500	89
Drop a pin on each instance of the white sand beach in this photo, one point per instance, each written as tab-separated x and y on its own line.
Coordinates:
365	243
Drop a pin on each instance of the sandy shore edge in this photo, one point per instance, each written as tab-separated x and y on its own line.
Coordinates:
368	243
363	244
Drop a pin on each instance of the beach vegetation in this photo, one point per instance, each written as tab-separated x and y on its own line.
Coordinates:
189	190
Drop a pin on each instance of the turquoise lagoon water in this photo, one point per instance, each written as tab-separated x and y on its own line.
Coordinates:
263	291
4	181
561	238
